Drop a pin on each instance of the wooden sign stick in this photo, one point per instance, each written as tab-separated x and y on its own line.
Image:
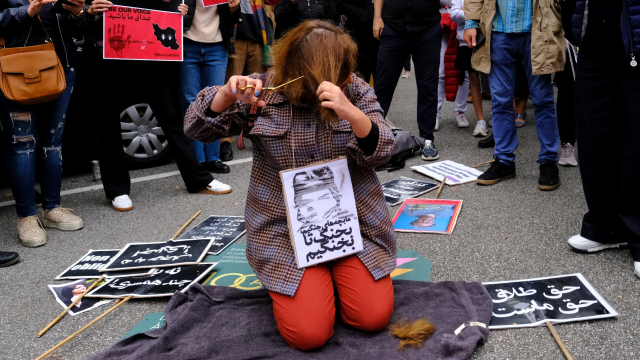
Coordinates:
441	186
185	225
560	343
84	328
70	306
486	162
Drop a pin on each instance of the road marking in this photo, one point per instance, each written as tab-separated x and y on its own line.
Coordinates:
133	181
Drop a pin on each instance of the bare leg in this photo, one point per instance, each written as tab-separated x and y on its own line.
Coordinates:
476	97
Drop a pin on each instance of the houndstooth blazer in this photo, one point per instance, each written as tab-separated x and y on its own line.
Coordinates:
276	131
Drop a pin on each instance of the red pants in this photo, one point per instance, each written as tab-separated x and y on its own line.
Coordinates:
306	320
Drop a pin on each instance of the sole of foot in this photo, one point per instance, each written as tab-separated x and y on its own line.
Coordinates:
494	181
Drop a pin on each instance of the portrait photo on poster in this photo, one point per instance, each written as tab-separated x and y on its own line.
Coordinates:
557	299
321	212
90	264
163	282
159	254
132	33
436	216
66	294
224	230
402	188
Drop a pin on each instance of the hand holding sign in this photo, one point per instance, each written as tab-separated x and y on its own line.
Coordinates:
98	6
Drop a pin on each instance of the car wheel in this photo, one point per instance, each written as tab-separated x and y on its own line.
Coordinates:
143	140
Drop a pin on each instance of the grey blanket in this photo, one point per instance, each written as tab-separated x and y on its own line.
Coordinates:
216	322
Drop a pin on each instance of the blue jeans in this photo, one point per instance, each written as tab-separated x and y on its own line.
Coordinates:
204	64
27	129
506	49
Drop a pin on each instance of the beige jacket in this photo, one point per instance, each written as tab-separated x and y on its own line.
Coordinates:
547	36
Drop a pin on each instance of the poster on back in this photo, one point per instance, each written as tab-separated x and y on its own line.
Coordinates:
427	215
159	254
224	230
557	299
163	282
65	294
321	212
402	188
456	173
142	34
90	264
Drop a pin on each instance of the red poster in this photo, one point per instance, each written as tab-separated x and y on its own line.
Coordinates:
141	34
213	2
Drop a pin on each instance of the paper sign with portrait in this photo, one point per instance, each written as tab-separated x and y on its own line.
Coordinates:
321	212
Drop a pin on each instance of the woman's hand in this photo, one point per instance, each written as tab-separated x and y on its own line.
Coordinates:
98	6
333	97
183	8
232	92
36	5
233	5
74	7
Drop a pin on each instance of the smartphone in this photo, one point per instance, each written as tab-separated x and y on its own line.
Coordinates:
480	38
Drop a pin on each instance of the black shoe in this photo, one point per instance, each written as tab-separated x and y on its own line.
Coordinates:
549	176
8	258
217	167
497	172
487	142
226	154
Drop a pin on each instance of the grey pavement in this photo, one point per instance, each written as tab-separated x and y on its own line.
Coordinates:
506	232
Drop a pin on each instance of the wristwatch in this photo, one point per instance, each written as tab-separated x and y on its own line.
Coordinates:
78	15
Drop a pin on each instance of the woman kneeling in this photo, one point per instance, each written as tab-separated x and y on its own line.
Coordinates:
308	121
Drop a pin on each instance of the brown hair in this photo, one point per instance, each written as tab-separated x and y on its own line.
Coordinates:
319	51
412	334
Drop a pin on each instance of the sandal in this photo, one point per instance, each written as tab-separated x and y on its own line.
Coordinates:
490	123
520	118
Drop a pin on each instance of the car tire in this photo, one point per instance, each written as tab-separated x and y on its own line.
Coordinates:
143	140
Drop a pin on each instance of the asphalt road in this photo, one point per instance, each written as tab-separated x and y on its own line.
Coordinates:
506	232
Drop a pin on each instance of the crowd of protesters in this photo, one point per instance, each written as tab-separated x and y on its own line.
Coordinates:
522	47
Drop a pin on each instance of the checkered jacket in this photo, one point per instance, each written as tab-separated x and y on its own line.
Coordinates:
279	128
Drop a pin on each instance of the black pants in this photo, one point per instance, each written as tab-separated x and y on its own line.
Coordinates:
424	46
367	56
407	64
119	80
607	107
565	103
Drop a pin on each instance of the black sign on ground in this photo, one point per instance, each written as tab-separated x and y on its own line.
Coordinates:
90	264
163	282
159	254
224	230
398	190
557	299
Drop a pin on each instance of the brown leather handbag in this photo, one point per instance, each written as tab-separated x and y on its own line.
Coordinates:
31	74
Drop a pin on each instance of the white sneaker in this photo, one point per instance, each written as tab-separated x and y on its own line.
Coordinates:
567	155
636	265
578	243
481	129
122	203
462	121
437	124
217	188
406	74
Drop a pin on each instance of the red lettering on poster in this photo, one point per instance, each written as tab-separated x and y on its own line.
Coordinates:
141	34
213	2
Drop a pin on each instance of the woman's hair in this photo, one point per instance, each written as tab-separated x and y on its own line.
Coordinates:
412	334
319	51
67	292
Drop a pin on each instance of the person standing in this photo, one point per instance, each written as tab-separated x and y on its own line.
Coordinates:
359	15
161	78
607	98
413	28
529	31
290	13
207	35
32	131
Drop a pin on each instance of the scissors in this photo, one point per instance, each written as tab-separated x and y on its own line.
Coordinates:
267	90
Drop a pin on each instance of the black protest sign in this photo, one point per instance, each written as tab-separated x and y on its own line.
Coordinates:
557	299
90	264
159	254
224	230
163	282
402	188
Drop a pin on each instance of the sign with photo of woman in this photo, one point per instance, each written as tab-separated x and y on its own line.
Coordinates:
65	294
321	209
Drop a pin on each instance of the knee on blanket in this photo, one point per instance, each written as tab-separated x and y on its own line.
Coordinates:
309	336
